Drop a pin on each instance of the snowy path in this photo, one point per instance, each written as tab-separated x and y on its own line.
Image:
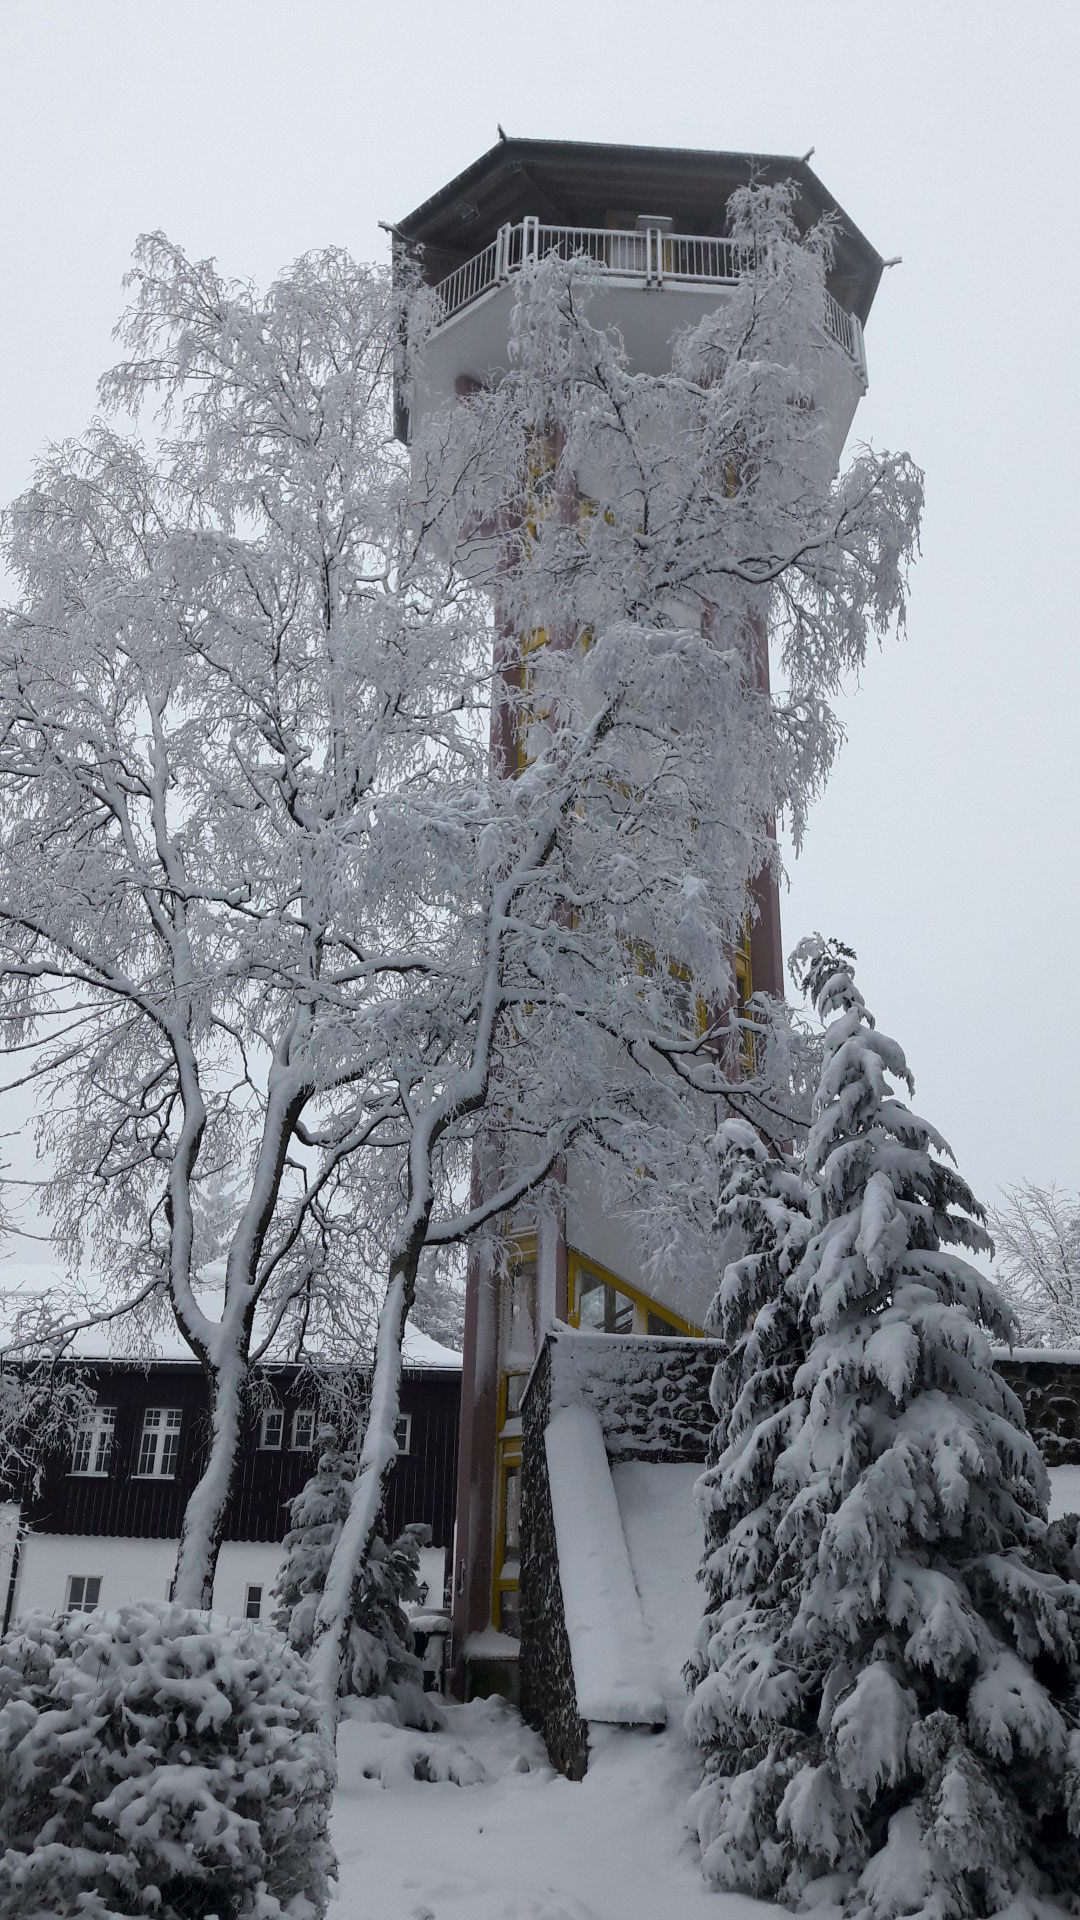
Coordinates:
524	1844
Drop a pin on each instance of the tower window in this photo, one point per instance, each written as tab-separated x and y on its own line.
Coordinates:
606	1303
604	1307
507	1611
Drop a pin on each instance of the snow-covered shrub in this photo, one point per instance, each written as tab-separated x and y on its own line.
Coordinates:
156	1761
906	1704
379	1660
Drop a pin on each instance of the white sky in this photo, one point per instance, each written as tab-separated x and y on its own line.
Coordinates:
252	130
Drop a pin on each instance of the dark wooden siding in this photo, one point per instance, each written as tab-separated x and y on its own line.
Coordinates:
421	1487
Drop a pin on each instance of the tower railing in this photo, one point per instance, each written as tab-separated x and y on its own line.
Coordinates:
649	256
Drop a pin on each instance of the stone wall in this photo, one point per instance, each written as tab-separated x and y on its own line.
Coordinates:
651	1396
652	1400
548	1696
1048	1387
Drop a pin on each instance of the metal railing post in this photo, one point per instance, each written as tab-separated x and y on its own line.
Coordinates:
859	345
530	237
654	257
502	248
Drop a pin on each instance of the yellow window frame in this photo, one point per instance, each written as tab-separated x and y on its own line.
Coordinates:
580	1263
744	989
508	1460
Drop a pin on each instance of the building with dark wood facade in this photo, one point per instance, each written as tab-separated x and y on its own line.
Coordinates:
101	1526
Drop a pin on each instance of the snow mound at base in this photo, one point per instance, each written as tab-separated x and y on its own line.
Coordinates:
614	1668
665	1537
396	1757
380	1753
524	1843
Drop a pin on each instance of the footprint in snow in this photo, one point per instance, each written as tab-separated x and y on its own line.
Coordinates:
551	1906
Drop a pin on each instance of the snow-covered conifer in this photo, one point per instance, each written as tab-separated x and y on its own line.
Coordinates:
379	1659
762	1215
915	1732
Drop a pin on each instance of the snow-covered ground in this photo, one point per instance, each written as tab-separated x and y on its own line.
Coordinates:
514	1841
1064	1491
521	1843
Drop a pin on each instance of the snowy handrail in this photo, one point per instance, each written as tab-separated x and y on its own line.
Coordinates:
648	255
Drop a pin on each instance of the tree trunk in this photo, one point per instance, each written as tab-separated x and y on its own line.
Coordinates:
204	1517
337	1603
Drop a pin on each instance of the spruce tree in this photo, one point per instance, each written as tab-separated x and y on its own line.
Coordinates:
915	1723
379	1661
761	1215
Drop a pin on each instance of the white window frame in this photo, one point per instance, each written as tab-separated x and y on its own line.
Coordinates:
268	1414
254	1586
84	1604
307	1415
161	1425
403	1420
97	1430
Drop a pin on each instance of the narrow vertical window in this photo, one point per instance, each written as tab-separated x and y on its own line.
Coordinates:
253	1603
508	1548
403	1432
303	1429
272	1427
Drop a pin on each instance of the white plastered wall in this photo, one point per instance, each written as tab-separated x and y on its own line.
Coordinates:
133	1570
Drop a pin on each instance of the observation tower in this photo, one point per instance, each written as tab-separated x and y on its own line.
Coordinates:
653	223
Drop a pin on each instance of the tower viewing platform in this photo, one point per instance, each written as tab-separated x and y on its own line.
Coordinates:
648	256
651	224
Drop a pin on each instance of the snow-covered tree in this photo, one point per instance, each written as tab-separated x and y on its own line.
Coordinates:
1037	1259
639	536
290	947
379	1659
153	1762
242	765
761	1223
911	1698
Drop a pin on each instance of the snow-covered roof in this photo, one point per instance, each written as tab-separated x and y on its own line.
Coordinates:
21	1285
578	182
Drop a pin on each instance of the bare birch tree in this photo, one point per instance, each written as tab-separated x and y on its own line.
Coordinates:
1037	1258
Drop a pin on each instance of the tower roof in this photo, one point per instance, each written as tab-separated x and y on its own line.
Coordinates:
585	184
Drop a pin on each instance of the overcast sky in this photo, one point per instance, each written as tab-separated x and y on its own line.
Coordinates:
253	130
